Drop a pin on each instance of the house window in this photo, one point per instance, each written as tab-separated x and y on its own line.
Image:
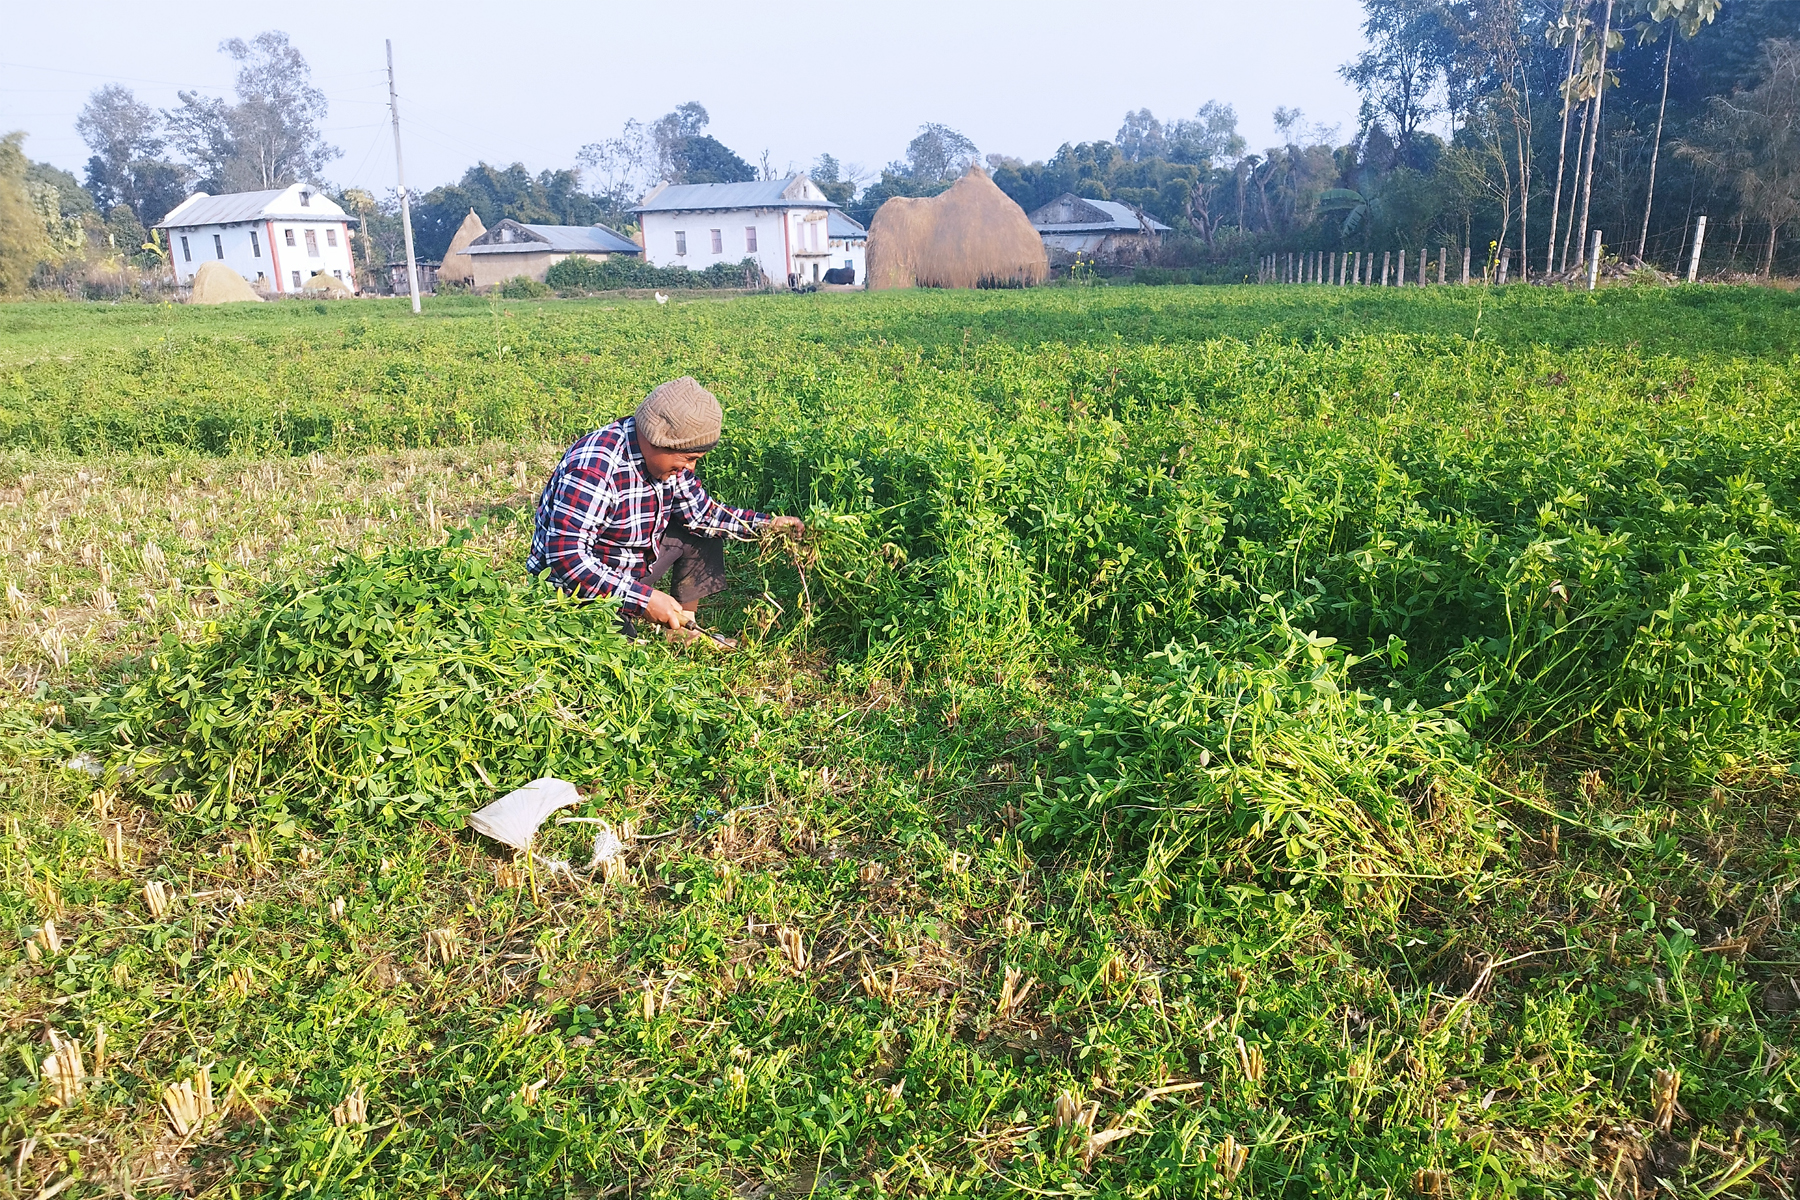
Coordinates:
186	255
750	238
812	234
718	241
255	247
681	241
290	236
296	281
815	272
339	275
261	278
312	243
305	199
331	238
218	246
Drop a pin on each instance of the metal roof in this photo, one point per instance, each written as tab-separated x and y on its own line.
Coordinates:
559	239
236	208
843	227
702	197
1116	218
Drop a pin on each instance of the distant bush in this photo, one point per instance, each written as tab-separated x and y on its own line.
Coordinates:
1162	276
577	275
524	287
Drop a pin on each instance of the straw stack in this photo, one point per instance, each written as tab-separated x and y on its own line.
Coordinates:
970	236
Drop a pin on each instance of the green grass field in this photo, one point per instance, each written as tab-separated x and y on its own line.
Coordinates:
1251	741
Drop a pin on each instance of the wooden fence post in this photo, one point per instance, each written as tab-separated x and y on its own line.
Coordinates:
1699	240
1505	263
1424	254
1594	263
1465	278
1384	266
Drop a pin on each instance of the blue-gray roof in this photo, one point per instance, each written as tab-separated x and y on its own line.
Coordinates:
515	237
843	227
239	208
1100	216
758	193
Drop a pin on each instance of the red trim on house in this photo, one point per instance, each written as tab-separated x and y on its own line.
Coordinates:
349	254
274	257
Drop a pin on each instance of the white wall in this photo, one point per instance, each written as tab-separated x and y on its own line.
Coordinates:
252	258
771	251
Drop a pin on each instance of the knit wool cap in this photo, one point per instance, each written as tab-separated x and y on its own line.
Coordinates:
680	415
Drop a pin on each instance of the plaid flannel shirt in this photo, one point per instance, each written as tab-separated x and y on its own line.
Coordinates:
601	517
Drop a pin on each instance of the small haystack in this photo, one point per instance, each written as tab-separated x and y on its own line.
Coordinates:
970	236
459	268
216	283
327	285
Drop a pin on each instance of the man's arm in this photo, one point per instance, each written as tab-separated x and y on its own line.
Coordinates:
705	515
581	508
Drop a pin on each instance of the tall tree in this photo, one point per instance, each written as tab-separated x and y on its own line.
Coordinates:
669	134
127	166
1211	137
831	179
1685	17
1402	73
1567	29
1141	136
1587	179
23	242
270	138
937	154
1752	138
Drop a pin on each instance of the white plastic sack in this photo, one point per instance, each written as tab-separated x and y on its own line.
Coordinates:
515	817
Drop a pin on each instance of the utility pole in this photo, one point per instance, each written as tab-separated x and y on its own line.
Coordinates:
412	264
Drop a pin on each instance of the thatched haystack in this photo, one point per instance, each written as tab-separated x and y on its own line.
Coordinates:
459	268
216	283
970	236
327	285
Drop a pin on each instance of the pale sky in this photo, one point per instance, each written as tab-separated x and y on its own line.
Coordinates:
534	84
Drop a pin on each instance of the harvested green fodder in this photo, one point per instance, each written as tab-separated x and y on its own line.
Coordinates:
1257	763
413	682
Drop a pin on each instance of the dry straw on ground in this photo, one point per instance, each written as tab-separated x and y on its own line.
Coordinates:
323	284
216	283
457	266
970	236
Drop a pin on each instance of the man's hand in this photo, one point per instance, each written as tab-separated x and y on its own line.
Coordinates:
664	609
788	525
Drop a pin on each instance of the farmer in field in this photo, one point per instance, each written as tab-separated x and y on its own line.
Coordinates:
624	515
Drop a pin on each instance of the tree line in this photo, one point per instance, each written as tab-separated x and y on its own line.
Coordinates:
1515	124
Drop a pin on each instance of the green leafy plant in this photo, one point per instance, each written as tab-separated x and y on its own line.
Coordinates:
405	684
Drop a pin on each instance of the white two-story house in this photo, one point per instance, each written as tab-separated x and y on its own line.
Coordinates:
276	240
788	226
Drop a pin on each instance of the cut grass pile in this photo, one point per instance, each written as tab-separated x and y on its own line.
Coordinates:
1185	759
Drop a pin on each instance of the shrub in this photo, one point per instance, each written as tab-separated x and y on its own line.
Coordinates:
524	287
576	274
